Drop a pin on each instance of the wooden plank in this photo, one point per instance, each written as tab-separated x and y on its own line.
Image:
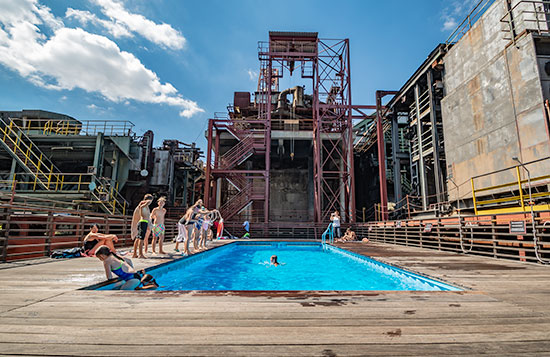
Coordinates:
507	312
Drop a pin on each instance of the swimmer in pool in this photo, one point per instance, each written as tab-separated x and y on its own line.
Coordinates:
274	261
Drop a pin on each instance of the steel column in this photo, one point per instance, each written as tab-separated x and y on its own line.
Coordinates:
208	164
317	144
351	164
397	189
421	168
439	188
381	158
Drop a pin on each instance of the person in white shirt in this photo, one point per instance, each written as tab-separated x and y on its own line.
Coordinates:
335	218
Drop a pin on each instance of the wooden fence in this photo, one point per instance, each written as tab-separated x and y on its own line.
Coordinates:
33	232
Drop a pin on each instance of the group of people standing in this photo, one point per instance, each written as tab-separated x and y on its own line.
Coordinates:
196	225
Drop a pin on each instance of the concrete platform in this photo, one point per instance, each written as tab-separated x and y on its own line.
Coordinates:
504	311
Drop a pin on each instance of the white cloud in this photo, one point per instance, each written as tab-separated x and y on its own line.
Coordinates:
455	12
449	24
253	75
73	58
163	34
85	17
92	107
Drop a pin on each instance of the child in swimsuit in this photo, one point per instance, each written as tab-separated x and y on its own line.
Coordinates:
188	221
157	215
120	267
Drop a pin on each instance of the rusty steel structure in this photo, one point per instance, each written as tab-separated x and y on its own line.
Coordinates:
323	120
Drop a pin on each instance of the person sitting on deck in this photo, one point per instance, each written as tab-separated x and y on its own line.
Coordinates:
94	240
348	236
121	267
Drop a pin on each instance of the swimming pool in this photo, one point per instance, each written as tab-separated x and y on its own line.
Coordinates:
306	266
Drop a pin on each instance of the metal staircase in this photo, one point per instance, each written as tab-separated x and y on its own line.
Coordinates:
240	152
238	202
45	176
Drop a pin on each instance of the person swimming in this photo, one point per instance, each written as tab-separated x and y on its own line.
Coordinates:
274	261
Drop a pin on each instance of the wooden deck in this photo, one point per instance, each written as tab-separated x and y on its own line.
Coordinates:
505	311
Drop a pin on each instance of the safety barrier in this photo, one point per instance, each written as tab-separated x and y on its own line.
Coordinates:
513	196
505	236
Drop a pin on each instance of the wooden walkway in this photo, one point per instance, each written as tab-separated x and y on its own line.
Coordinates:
505	311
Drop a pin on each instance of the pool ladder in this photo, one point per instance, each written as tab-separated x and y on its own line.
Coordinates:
329	233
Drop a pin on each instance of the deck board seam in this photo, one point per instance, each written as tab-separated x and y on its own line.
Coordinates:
34	302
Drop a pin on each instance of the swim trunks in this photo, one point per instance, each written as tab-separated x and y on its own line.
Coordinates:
158	230
143	225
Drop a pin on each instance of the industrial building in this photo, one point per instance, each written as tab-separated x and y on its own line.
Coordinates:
280	159
96	165
470	127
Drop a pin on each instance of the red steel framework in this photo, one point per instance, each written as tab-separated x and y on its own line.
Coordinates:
327	64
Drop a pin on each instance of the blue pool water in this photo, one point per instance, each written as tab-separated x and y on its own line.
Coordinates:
307	266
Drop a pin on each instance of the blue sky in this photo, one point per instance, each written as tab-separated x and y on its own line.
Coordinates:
168	65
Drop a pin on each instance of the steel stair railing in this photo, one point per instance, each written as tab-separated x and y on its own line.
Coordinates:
236	203
29	156
239	181
238	153
46	174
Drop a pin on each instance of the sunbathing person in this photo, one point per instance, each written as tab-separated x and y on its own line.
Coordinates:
120	267
348	236
94	240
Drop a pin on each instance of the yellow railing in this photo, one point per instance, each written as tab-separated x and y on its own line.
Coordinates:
40	179
66	182
28	155
511	197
